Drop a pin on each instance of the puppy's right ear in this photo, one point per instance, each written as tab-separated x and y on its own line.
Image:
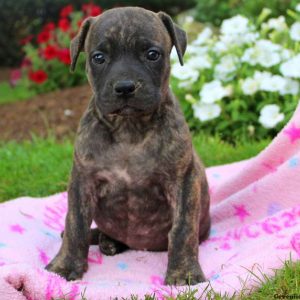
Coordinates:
77	43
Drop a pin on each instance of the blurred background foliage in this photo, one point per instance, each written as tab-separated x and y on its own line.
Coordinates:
214	11
17	15
243	52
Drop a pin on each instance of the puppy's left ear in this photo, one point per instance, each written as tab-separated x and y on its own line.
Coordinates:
77	43
178	36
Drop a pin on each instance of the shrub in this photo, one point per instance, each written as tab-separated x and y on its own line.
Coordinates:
214	11
16	16
244	81
47	57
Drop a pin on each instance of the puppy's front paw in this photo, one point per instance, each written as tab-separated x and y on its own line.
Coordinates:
70	269
185	276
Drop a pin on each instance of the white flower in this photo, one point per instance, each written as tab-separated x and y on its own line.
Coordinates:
205	112
235	31
226	42
221	47
249	37
264	52
220	74
250	86
203	37
268	82
187	84
291	68
286	54
229	62
297	7
260	76
277	24
295	31
270	116
196	49
291	87
269	59
213	91
185	72
235	25
272	84
224	70
200	62
188	19
173	54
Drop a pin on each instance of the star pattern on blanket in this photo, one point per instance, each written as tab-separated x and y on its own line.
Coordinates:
17	228
43	256
294	162
241	212
293	132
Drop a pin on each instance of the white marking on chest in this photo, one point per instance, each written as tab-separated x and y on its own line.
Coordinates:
122	174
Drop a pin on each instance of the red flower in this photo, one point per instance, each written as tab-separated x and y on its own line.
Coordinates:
38	76
64	56
49	26
50	52
64	24
43	37
15	76
65	12
26	40
91	9
26	62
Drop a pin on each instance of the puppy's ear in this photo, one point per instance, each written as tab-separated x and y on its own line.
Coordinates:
178	36
77	43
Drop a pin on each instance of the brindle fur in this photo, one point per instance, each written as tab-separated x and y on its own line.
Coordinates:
135	173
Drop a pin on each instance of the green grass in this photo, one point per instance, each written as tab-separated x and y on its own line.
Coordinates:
213	151
41	167
10	94
285	283
37	168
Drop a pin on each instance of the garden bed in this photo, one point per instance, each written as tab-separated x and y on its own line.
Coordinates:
57	112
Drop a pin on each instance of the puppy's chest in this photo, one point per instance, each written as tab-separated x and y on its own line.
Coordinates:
131	199
128	185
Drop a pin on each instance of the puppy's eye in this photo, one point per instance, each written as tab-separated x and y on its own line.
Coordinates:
98	58
152	55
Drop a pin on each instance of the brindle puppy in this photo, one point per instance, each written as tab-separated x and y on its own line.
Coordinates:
135	172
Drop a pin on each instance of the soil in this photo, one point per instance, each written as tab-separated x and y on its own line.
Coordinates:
58	113
5	74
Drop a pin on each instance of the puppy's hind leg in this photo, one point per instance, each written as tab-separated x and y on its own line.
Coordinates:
109	246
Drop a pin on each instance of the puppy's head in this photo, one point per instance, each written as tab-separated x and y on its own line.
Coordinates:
127	51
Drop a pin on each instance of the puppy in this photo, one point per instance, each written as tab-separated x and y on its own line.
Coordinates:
135	172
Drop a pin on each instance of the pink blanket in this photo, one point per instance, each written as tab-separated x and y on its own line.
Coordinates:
256	227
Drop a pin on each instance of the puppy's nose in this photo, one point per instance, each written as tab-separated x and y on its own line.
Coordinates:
124	87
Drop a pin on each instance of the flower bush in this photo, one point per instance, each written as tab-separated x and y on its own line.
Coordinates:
47	58
214	11
244	80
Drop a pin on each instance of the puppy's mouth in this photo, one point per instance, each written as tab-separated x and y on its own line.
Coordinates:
127	110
